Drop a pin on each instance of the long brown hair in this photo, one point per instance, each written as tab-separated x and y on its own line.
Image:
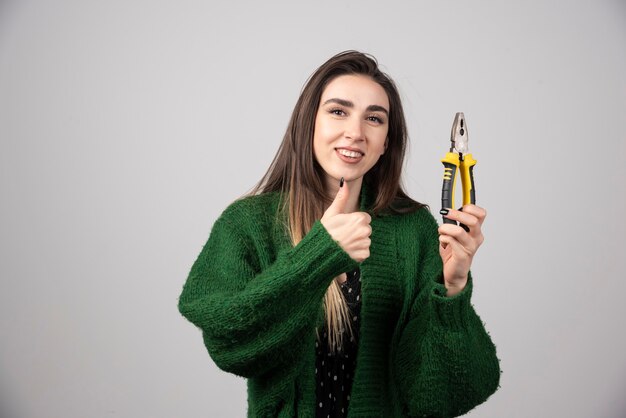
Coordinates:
295	173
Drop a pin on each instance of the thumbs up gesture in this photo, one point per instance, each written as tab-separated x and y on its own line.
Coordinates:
350	230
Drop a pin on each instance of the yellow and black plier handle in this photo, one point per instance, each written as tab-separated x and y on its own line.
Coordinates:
457	159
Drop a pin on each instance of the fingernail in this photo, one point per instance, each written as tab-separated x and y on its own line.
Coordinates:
444	211
341	182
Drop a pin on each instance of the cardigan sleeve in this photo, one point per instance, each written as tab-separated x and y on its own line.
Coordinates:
254	321
446	362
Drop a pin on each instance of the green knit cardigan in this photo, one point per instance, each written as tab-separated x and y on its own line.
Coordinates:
258	299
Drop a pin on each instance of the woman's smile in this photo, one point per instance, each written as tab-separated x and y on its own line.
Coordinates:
349	156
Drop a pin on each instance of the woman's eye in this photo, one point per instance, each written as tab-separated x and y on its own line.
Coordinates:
375	119
337	112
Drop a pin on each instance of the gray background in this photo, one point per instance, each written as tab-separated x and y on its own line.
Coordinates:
126	127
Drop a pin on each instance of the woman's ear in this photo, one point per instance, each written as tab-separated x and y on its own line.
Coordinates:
386	143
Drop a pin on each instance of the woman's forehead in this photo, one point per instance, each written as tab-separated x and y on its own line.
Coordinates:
361	90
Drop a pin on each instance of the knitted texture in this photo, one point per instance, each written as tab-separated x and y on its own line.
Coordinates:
258	299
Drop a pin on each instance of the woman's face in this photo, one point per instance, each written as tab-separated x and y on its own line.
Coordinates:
350	127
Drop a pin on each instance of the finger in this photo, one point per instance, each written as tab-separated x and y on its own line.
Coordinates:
444	241
459	234
368	230
341	200
458	249
466	219
362	231
363	254
477	211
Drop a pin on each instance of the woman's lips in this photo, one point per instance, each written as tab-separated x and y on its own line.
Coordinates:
349	160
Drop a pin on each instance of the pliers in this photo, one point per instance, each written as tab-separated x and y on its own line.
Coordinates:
452	162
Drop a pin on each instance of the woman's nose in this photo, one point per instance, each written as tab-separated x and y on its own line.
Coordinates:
354	130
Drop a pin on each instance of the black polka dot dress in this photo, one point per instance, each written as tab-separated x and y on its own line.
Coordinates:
334	372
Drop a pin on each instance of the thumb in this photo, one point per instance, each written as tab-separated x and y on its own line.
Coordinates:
341	199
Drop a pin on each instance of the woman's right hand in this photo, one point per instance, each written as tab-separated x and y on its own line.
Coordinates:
351	230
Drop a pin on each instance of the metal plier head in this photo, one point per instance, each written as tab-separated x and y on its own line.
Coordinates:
458	136
458	159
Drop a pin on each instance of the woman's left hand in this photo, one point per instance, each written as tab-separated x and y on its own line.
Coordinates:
457	247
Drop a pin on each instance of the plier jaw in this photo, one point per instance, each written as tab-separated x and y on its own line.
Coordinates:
457	159
458	135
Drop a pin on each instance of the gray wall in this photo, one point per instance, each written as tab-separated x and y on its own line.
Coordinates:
126	127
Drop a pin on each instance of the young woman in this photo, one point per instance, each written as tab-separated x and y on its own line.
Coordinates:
327	287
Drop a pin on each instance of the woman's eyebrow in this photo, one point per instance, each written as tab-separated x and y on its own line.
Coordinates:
377	108
348	103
